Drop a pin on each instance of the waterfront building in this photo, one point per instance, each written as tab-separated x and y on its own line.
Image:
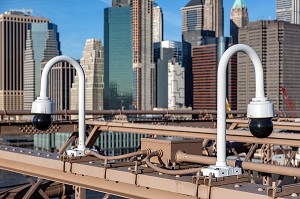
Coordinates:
142	49
288	10
277	44
238	18
13	31
205	67
118	71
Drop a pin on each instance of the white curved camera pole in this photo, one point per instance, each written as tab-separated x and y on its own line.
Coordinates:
79	151
221	168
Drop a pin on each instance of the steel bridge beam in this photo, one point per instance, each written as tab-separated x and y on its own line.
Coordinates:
121	181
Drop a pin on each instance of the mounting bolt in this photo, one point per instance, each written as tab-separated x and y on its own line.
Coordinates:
260	189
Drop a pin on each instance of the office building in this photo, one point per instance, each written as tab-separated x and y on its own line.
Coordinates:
238	19
42	44
200	19
277	44
13	31
120	3
205	67
288	10
143	63
203	15
118	71
157	24
164	52
92	62
175	85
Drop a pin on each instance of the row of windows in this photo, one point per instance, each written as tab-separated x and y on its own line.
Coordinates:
31	20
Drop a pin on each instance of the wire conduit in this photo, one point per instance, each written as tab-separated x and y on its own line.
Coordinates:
88	152
266	168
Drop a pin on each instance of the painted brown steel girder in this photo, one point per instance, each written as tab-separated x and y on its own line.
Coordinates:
120	181
286	139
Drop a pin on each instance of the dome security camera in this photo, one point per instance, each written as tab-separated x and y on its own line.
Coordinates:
42	122
261	127
43	108
260	111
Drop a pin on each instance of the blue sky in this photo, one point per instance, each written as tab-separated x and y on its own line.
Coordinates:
79	20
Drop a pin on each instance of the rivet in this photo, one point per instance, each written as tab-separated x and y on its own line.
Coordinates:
57	156
90	162
48	155
5	148
160	173
177	176
13	149
129	168
294	195
39	153
260	189
21	151
29	152
237	186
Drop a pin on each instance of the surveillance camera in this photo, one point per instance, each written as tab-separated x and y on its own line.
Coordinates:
261	127
42	122
260	111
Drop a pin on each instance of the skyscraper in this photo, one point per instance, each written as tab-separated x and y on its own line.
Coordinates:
13	31
143	64
118	78
238	18
203	15
214	16
200	19
157	24
288	10
42	44
164	52
205	67
277	44
92	62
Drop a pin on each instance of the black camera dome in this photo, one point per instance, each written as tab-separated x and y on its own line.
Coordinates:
42	121
261	127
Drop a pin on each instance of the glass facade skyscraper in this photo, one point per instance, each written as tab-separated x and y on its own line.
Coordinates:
42	45
118	81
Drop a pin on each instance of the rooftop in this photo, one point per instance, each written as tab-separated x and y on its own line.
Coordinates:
194	3
239	4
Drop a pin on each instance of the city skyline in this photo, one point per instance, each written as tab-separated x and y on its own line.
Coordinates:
78	21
